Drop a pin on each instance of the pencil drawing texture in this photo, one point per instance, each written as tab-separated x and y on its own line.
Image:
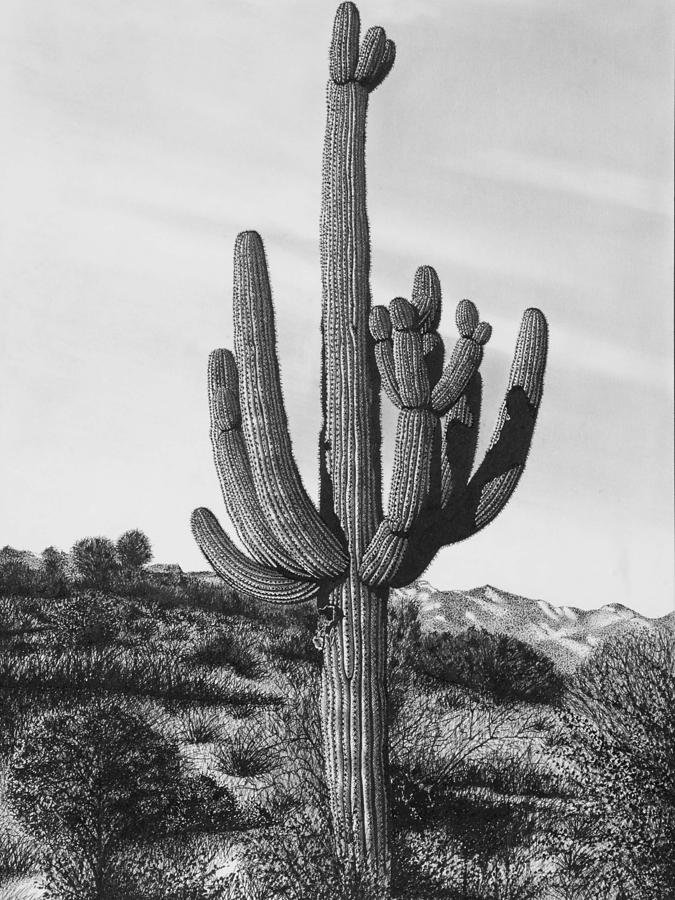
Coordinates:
349	553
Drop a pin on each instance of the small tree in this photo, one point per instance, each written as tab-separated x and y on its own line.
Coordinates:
134	551
54	572
87	781
96	560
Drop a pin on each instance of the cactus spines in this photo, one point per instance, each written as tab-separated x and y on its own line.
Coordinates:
349	552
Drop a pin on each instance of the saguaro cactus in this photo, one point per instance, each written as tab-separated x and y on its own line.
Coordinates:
348	554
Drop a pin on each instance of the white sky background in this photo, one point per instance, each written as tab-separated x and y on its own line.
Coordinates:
522	148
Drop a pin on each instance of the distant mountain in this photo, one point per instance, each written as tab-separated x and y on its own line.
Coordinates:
565	633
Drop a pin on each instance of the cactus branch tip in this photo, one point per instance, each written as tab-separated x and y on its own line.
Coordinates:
366	63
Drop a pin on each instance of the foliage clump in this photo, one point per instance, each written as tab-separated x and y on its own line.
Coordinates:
619	751
95	559
88	782
496	664
134	551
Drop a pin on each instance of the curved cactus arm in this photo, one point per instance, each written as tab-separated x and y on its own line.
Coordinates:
384	556
241	573
496	478
292	517
466	357
234	469
407	496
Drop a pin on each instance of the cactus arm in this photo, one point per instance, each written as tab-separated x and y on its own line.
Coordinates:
415	433
468	508
293	519
429	507
241	573
422	462
465	360
234	469
495	480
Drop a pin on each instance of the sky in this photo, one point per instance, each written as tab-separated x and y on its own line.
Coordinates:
521	147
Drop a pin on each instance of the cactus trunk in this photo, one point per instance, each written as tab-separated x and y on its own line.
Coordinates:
354	727
354	689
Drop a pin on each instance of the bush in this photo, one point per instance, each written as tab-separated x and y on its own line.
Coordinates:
18	855
168	870
202	806
293	645
199	726
495	664
619	753
95	559
404	634
16	577
134	551
54	572
228	648
436	865
85	782
248	754
86	619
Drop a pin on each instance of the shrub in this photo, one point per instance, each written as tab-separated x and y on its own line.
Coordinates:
620	755
16	577
18	854
54	572
202	805
293	644
404	633
514	774
199	726
228	648
496	664
95	559
248	754
134	551
85	782
404	646
86	619
438	741
168	870
436	866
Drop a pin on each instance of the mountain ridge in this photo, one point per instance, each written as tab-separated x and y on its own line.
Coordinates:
568	634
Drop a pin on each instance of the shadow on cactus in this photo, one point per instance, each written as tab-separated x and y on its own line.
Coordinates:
350	551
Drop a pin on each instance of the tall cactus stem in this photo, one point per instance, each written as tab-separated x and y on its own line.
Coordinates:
353	671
